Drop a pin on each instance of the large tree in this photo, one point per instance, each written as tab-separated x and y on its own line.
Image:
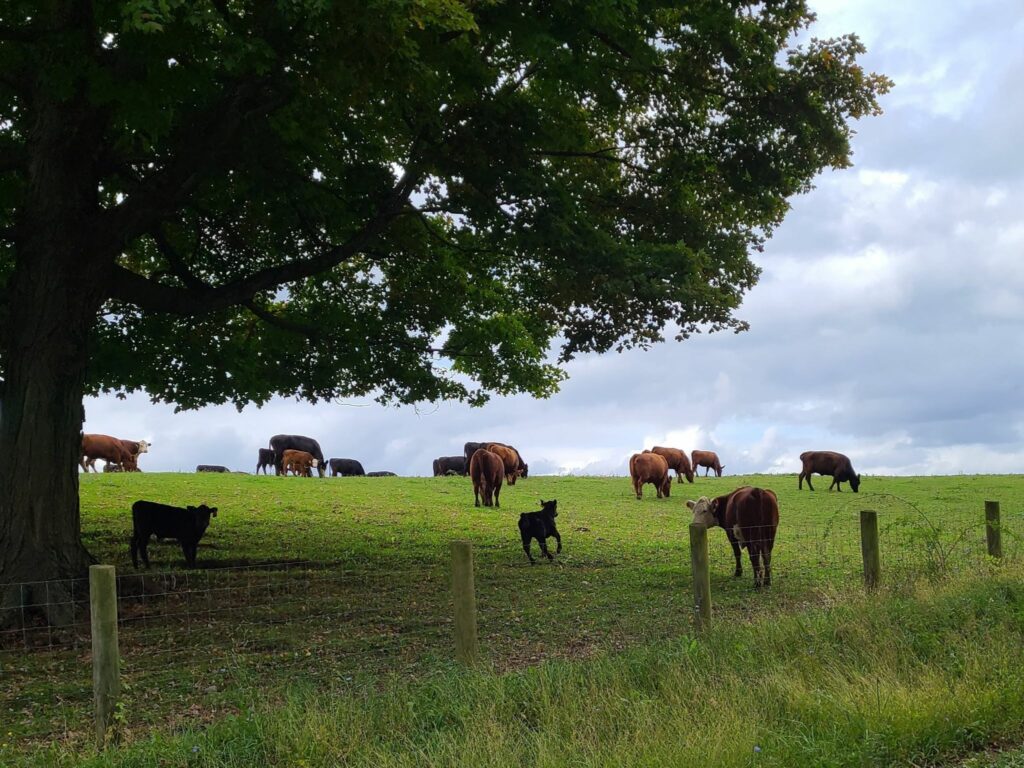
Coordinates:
222	200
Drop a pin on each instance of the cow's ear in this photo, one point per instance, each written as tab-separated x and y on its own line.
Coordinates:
691	504
213	511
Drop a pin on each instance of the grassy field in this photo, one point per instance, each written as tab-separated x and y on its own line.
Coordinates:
342	585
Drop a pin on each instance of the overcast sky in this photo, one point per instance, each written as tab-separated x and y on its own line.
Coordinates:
887	324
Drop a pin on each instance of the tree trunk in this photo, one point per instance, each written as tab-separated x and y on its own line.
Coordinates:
40	440
52	300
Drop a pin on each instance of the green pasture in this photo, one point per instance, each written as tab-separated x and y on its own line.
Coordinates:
342	584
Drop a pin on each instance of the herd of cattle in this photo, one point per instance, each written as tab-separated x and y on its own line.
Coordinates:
749	515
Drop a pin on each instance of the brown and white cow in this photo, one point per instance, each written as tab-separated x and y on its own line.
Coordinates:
707	459
677	460
301	463
99	447
487	470
827	463
750	517
649	468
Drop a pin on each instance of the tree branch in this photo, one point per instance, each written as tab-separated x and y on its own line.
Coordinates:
204	145
202	299
597	154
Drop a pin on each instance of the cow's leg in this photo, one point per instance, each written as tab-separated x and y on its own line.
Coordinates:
526	546
554	532
835	484
766	558
755	564
544	549
638	488
497	493
735	552
476	494
657	489
144	550
809	486
189	550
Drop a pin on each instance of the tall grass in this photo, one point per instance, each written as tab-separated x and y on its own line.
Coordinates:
921	676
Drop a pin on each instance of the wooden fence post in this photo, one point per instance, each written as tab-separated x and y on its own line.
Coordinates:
701	577
869	548
106	667
465	602
992	532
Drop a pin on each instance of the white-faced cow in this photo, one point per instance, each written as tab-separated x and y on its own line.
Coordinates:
750	517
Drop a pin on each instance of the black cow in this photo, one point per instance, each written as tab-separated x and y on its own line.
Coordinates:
469	449
447	465
381	474
540	526
266	460
187	525
281	443
346	468
211	468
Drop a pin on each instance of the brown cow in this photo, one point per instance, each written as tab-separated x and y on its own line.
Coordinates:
649	468
509	458
827	463
299	463
707	459
487	471
750	517
677	460
103	447
135	448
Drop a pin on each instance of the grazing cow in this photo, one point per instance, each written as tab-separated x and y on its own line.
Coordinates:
112	449
649	468
187	525
281	443
345	468
677	460
540	526
827	463
707	459
487	471
446	465
211	468
300	463
107	467
509	458
266	460
381	474
750	517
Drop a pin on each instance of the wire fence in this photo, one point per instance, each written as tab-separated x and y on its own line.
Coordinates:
197	644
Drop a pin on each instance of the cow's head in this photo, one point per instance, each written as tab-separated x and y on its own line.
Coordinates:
705	511
144	446
524	469
855	482
549	507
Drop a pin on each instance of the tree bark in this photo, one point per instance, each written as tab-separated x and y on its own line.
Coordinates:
52	300
40	440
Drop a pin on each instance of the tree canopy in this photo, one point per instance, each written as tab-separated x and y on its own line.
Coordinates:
412	197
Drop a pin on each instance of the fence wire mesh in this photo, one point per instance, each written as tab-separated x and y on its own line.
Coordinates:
197	644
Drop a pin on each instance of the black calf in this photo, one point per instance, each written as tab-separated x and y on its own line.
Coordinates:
187	525
540	526
211	468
